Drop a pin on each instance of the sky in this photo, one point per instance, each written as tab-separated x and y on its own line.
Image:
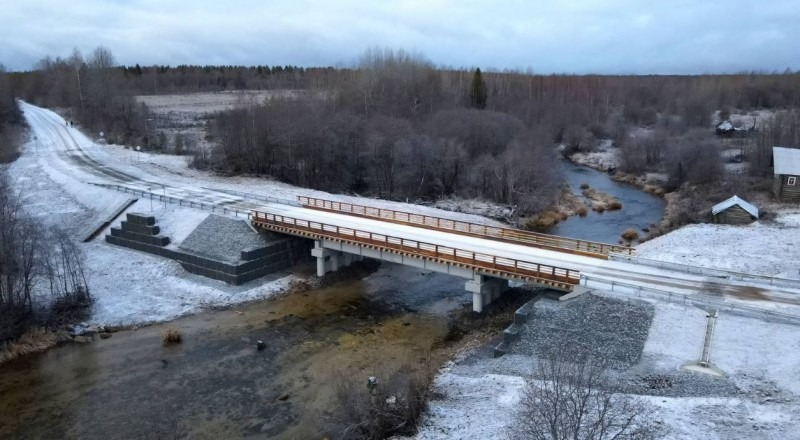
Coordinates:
577	36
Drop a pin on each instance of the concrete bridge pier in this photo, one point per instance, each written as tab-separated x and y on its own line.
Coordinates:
485	290
329	260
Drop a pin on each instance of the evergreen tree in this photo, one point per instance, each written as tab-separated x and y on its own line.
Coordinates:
162	141
477	90
179	143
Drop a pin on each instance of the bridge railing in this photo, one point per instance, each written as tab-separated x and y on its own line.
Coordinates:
544	241
175	200
484	262
697	299
709	271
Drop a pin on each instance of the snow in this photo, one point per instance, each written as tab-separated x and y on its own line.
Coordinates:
725	126
129	287
473	407
765	248
786	160
604	158
735	200
132	287
760	358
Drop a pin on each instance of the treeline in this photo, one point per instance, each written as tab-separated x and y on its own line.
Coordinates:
461	151
396	126
92	90
11	121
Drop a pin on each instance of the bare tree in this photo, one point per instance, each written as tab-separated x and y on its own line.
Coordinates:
33	259
574	398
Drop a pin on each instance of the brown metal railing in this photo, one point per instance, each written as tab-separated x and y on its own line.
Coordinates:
523	270
544	241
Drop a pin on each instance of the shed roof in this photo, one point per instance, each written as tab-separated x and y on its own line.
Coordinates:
735	200
786	160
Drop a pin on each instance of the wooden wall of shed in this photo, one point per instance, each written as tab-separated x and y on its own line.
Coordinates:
783	191
735	215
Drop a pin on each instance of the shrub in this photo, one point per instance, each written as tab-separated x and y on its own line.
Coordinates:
585	185
630	235
392	408
614	205
598	207
544	220
582	211
172	336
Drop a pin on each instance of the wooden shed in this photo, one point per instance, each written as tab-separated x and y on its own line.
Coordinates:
734	211
786	165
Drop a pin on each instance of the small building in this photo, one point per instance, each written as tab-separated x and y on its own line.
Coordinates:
728	130
786	166
734	211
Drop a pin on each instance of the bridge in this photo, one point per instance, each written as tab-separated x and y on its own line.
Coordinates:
486	256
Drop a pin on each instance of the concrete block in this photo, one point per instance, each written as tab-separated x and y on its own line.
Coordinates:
140	228
576	292
142	219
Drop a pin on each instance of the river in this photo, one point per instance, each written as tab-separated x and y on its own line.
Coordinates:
216	384
639	209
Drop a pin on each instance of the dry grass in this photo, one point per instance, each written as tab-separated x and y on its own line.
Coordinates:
601	201
653	189
582	211
630	235
32	341
172	336
544	220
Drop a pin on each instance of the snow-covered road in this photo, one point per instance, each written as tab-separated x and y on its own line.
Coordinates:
89	162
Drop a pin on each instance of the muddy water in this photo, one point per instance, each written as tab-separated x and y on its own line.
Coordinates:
639	209
216	384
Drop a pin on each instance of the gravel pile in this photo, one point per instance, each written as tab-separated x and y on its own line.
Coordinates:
615	330
606	327
223	238
675	383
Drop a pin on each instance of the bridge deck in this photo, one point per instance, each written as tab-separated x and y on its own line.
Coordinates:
543	241
485	263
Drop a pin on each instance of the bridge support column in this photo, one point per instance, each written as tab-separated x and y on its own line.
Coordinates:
485	290
329	260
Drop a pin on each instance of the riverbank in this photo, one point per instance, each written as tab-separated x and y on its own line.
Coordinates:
216	383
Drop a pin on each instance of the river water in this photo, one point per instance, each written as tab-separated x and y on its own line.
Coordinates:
639	209
216	384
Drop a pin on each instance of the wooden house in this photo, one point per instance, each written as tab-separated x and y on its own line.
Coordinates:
734	211
786	166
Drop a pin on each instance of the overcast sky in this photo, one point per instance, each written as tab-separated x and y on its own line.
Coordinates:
576	36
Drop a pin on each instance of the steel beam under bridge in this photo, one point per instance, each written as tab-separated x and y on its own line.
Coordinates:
485	288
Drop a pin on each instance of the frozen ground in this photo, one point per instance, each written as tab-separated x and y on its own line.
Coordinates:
759	396
763	247
604	158
133	287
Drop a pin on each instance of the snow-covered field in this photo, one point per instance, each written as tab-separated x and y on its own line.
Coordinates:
765	248
758	358
132	287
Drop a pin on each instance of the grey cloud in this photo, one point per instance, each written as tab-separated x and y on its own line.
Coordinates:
579	36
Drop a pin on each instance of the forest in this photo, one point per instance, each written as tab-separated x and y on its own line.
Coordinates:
395	125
